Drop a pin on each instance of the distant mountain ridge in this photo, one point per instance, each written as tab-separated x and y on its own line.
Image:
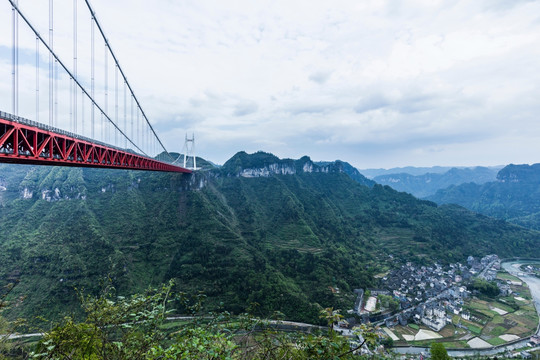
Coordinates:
514	195
411	170
520	173
428	184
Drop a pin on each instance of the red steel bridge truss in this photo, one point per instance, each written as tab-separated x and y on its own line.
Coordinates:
27	142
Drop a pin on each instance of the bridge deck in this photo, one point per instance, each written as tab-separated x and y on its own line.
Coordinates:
26	142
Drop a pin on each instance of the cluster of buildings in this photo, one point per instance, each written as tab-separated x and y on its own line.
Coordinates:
429	295
435	312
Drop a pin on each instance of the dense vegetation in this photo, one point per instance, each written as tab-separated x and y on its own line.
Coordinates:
514	197
486	288
428	184
140	327
284	242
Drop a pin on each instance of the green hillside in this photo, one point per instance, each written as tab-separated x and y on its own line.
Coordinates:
514	197
279	241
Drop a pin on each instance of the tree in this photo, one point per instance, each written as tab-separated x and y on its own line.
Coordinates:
115	327
7	328
332	317
118	328
438	352
487	288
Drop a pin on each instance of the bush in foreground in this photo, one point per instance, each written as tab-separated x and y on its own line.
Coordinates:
137	328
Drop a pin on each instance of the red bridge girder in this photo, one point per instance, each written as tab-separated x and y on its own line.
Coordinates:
25	143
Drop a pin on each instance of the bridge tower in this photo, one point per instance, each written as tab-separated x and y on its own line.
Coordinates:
189	152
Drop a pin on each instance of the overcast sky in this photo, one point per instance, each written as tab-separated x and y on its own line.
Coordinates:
375	83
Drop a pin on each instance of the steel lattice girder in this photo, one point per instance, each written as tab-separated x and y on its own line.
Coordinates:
24	144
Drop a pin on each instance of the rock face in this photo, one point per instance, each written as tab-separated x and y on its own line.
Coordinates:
263	164
53	184
26	194
3	184
278	169
287	169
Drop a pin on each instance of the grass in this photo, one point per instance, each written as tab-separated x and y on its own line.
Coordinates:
413	326
499	330
506	276
447	331
487	313
529	307
478	304
480	308
496	341
503	307
524	319
474	329
404	330
455	344
519	331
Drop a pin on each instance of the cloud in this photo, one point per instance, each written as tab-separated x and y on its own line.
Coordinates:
504	5
371	102
245	108
370	82
297	109
320	77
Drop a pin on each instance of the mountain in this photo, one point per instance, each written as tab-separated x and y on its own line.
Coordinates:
411	170
351	171
277	234
428	184
514	196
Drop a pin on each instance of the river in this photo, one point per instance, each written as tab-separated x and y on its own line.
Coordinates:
532	282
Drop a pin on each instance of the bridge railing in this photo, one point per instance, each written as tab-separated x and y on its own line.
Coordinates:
24	121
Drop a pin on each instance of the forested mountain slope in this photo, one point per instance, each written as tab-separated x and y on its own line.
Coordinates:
514	196
260	230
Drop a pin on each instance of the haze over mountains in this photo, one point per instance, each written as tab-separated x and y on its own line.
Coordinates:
411	170
259	229
513	196
509	193
425	184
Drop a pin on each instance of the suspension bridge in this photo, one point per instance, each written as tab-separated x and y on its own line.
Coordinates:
71	102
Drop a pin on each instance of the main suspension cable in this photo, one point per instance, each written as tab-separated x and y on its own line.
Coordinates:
107	44
57	60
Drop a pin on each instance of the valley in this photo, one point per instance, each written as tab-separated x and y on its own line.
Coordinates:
259	232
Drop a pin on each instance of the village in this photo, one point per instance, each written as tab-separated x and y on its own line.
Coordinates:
414	305
424	295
